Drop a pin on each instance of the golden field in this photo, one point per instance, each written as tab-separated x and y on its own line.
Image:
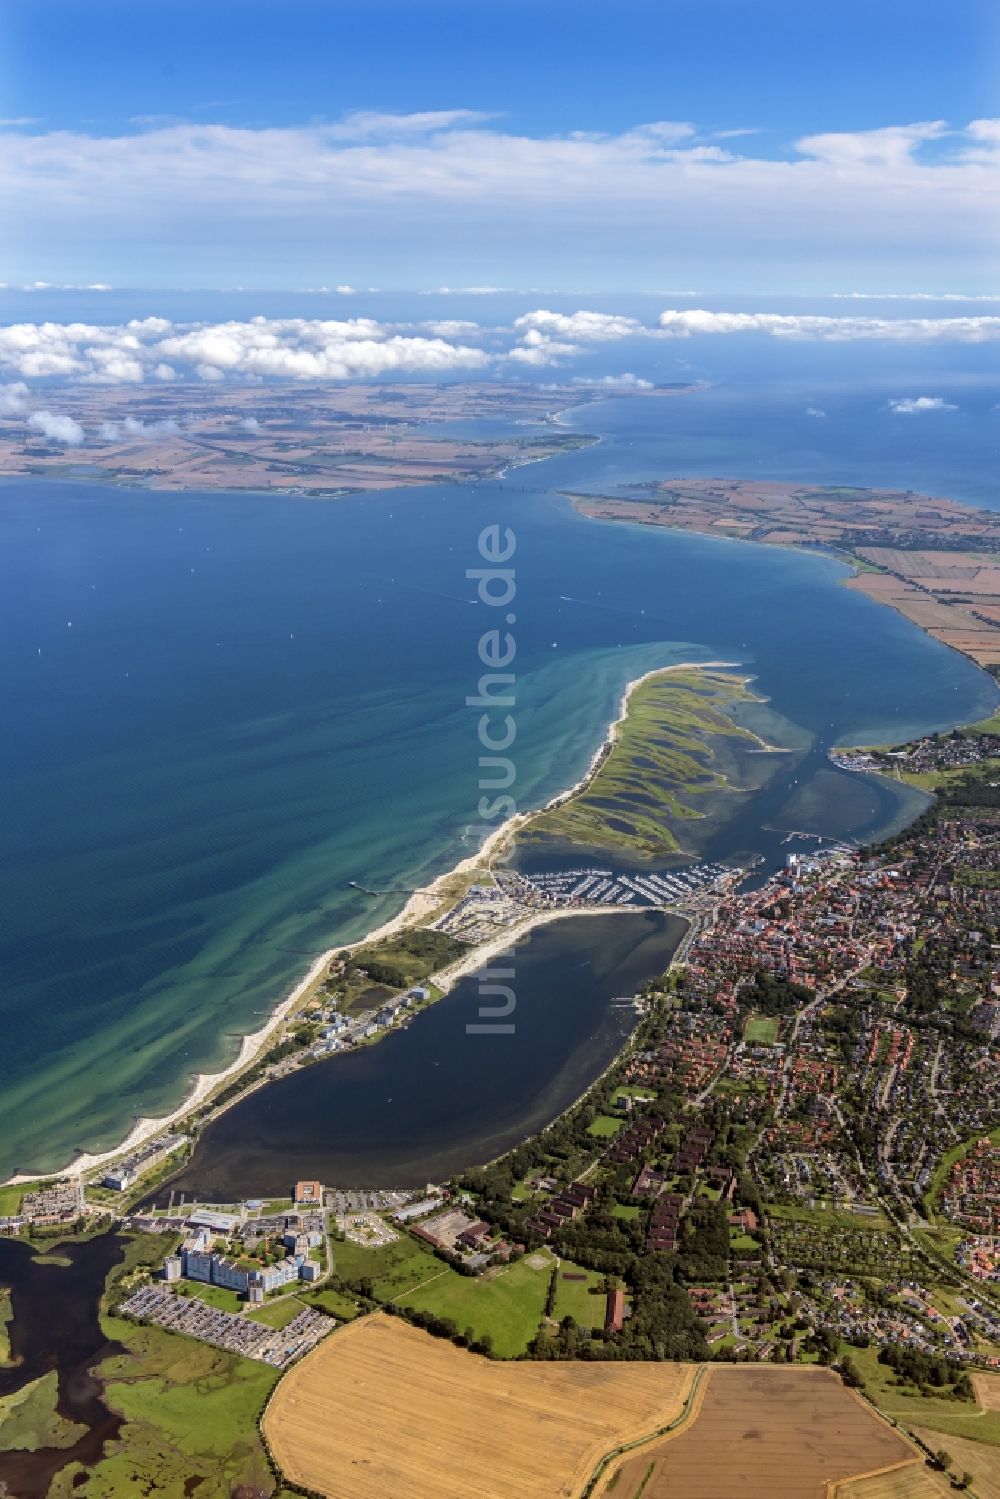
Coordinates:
763	1432
906	1481
381	1409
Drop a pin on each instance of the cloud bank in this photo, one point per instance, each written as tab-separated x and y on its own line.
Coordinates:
156	349
293	348
677	324
456	195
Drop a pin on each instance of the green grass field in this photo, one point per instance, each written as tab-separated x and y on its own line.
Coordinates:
761	1030
392	1270
10	1201
277	1313
960	1418
582	1300
507	1307
622	1210
339	1304
604	1127
407	957
217	1296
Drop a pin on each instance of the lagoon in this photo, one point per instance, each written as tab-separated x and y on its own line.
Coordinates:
435	1097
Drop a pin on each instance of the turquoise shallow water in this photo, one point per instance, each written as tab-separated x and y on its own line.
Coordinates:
219	710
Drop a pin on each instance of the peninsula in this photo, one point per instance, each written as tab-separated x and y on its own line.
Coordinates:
934	560
324	440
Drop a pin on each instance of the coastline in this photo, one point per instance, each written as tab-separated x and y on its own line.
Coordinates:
419	905
856	568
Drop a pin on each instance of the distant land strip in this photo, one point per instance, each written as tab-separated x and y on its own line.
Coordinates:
936	561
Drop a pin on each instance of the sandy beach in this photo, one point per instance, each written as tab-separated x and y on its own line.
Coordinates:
419	906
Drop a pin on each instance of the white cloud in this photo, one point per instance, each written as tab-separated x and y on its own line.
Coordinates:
296	348
538	348
57	428
586	326
915	405
250	424
616	382
893	146
13	398
680	324
367	124
914	296
345	290
133	427
815	411
450	327
547	337
452	189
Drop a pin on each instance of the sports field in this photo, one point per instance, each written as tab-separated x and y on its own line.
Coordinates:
381	1409
761	1030
762	1432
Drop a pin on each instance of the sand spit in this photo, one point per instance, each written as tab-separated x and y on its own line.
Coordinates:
419	906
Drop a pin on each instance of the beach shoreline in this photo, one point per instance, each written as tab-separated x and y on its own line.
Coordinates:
419	905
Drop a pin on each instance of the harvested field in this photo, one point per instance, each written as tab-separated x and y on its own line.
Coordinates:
977	1458
987	1388
764	1431
952	624
907	1481
382	1409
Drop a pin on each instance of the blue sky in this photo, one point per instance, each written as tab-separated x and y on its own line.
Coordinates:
789	66
641	144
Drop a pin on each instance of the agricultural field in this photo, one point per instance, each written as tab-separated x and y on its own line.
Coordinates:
906	1481
977	1458
987	1388
402	1413
762	1431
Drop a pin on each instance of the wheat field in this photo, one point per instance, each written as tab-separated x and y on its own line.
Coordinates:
382	1409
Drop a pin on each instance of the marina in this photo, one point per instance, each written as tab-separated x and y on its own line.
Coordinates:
604	887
